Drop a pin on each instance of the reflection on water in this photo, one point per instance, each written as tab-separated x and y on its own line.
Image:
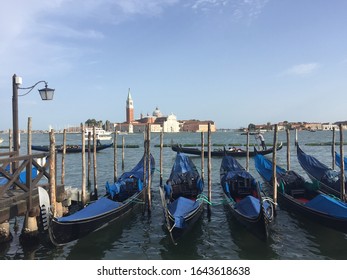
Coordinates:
218	236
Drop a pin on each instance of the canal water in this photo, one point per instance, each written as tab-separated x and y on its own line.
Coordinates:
216	236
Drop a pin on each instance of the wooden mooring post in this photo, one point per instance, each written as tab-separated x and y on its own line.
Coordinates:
247	152
115	170
333	150
145	154
161	156
84	192
202	156
89	160
342	166
63	159
123	144
30	232
274	177
149	196
209	168
95	195
288	149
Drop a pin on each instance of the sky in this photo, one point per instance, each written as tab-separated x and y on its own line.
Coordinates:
234	62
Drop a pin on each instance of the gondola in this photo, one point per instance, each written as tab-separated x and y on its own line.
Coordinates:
70	148
121	198
302	197
221	152
244	198
329	179
181	197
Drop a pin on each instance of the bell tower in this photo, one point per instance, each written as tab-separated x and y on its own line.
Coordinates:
129	109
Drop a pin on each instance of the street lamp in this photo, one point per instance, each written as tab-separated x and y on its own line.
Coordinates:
45	93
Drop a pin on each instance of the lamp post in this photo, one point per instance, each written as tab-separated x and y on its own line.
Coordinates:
45	93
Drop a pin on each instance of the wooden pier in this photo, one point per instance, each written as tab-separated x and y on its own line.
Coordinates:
20	178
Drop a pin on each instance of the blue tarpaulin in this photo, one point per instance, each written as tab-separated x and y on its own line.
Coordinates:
249	206
328	205
180	208
100	206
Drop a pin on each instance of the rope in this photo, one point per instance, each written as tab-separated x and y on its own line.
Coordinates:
204	198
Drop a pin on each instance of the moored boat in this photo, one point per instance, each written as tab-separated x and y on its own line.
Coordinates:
329	180
121	197
100	134
221	152
70	148
304	198
182	197
244	198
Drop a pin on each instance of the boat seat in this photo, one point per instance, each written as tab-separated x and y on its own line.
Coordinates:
127	190
186	190
244	191
297	192
240	188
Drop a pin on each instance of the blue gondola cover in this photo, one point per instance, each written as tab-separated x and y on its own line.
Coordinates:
249	206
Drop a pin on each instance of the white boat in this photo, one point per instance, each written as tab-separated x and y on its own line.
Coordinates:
100	133
1	140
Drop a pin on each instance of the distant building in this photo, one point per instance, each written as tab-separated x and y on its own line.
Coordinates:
197	126
158	122
329	126
129	109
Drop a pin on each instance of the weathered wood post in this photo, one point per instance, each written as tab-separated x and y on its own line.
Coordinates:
209	168
123	144
296	137
5	232
342	166
10	146
52	183
29	166
288	149
89	157
29	140
274	177
333	150
145	155
161	156
149	169
247	151
115	147
30	229
95	165
202	156
84	199
63	158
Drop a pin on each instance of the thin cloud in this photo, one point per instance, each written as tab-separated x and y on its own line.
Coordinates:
239	9
302	69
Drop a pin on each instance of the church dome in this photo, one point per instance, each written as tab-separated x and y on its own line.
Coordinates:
157	113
